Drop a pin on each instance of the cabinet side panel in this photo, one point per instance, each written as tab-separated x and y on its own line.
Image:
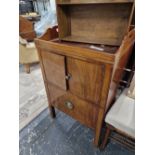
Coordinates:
43	74
63	17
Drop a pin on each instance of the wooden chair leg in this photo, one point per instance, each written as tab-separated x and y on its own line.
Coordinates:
105	140
27	68
52	112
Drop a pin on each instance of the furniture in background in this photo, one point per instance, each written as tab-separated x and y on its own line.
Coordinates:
33	6
26	29
26	6
27	54
121	118
32	16
129	68
129	71
83	67
27	50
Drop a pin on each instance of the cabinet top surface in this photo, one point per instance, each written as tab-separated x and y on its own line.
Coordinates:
94	47
92	1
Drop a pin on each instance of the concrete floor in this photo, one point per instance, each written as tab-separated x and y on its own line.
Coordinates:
62	136
32	95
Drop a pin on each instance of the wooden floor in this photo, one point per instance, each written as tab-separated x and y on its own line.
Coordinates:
32	96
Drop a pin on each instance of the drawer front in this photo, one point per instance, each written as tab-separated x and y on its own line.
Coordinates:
84	112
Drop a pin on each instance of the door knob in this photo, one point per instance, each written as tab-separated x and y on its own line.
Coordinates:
68	76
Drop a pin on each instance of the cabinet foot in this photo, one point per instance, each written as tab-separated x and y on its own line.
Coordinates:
52	112
99	125
96	144
106	136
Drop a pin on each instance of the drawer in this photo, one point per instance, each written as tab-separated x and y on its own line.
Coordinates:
79	109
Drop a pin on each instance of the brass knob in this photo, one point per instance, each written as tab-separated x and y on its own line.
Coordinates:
68	76
69	105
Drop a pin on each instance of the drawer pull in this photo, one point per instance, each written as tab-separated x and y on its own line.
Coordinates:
69	105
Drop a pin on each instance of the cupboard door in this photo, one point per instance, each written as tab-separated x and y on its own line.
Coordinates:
86	79
54	67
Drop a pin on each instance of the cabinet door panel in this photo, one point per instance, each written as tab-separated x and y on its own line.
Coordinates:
54	67
86	79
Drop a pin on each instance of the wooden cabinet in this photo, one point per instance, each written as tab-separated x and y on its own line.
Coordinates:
81	81
82	68
26	29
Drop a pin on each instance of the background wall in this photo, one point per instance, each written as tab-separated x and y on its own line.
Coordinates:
45	5
48	17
